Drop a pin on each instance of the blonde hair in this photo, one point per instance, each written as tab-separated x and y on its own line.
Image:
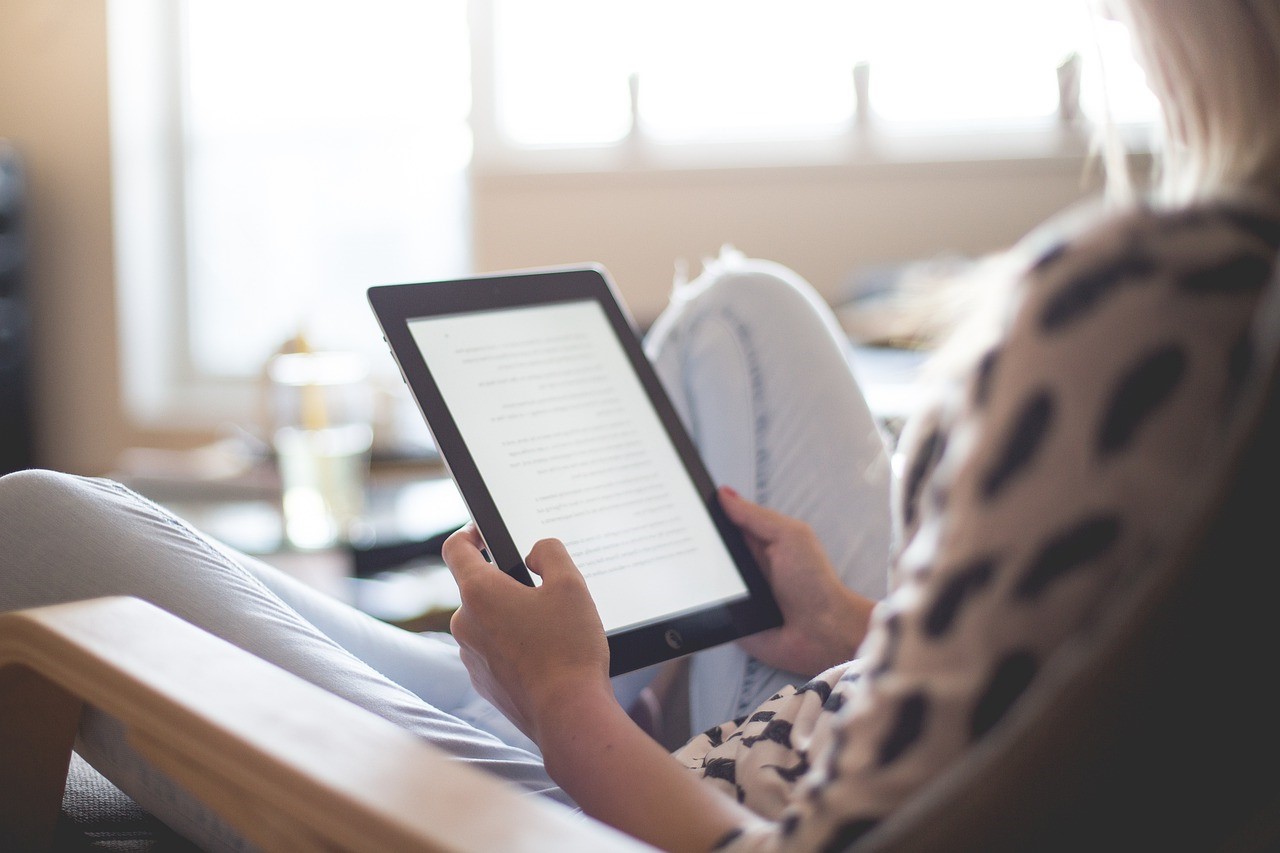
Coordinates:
1214	65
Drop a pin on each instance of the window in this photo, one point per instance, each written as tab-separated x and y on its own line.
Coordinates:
715	69
274	158
579	72
325	151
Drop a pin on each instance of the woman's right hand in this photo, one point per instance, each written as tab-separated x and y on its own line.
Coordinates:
823	621
527	648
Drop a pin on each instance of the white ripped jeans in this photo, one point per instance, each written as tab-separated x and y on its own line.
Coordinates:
757	369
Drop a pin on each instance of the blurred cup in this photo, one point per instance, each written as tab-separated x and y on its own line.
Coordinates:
322	406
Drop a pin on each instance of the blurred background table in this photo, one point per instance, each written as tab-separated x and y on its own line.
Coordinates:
391	567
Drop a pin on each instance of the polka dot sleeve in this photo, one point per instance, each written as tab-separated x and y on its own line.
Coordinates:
1083	445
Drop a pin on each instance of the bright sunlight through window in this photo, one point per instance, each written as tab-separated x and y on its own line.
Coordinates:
326	148
325	143
729	69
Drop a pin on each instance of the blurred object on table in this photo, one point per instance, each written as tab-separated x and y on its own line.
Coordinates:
321	426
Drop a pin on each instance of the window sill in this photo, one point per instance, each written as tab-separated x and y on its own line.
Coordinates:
946	147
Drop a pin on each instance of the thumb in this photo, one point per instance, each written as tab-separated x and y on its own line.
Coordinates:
551	561
765	524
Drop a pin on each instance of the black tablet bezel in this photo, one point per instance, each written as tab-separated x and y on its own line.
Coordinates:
395	306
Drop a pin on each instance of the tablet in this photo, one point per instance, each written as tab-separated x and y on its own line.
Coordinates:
553	424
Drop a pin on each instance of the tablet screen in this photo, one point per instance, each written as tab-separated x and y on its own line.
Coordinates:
570	447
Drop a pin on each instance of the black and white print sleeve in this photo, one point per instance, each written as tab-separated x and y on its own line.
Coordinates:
1084	444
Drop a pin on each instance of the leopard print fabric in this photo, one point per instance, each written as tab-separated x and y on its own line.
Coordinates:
1077	451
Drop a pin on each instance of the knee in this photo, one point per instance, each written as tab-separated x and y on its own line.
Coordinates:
32	489
64	538
33	532
754	295
745	305
41	498
748	286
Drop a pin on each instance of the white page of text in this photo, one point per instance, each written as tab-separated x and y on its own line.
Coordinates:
570	448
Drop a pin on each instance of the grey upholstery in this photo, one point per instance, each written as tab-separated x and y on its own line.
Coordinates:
96	815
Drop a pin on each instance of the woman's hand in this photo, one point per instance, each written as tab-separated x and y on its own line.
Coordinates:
527	648
539	654
823	621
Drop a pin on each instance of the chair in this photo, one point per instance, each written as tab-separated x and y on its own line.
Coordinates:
291	765
1158	729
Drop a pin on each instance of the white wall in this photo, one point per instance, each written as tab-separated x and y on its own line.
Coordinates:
53	107
822	221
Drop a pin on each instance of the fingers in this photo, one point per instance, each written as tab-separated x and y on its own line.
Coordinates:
764	524
462	553
550	559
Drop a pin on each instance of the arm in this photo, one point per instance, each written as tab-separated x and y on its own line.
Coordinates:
539	654
623	777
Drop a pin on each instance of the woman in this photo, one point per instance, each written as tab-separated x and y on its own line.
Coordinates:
1081	443
1073	447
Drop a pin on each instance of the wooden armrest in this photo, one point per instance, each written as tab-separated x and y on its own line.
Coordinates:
290	765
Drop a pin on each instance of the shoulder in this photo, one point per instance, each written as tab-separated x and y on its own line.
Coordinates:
1222	248
1122	338
1091	309
1132	303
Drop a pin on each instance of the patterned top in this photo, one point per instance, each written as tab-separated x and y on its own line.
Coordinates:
1079	446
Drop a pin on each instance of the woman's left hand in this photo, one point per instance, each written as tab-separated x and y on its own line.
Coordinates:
526	647
823	622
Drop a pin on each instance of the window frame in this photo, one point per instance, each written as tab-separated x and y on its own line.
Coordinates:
865	142
160	385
